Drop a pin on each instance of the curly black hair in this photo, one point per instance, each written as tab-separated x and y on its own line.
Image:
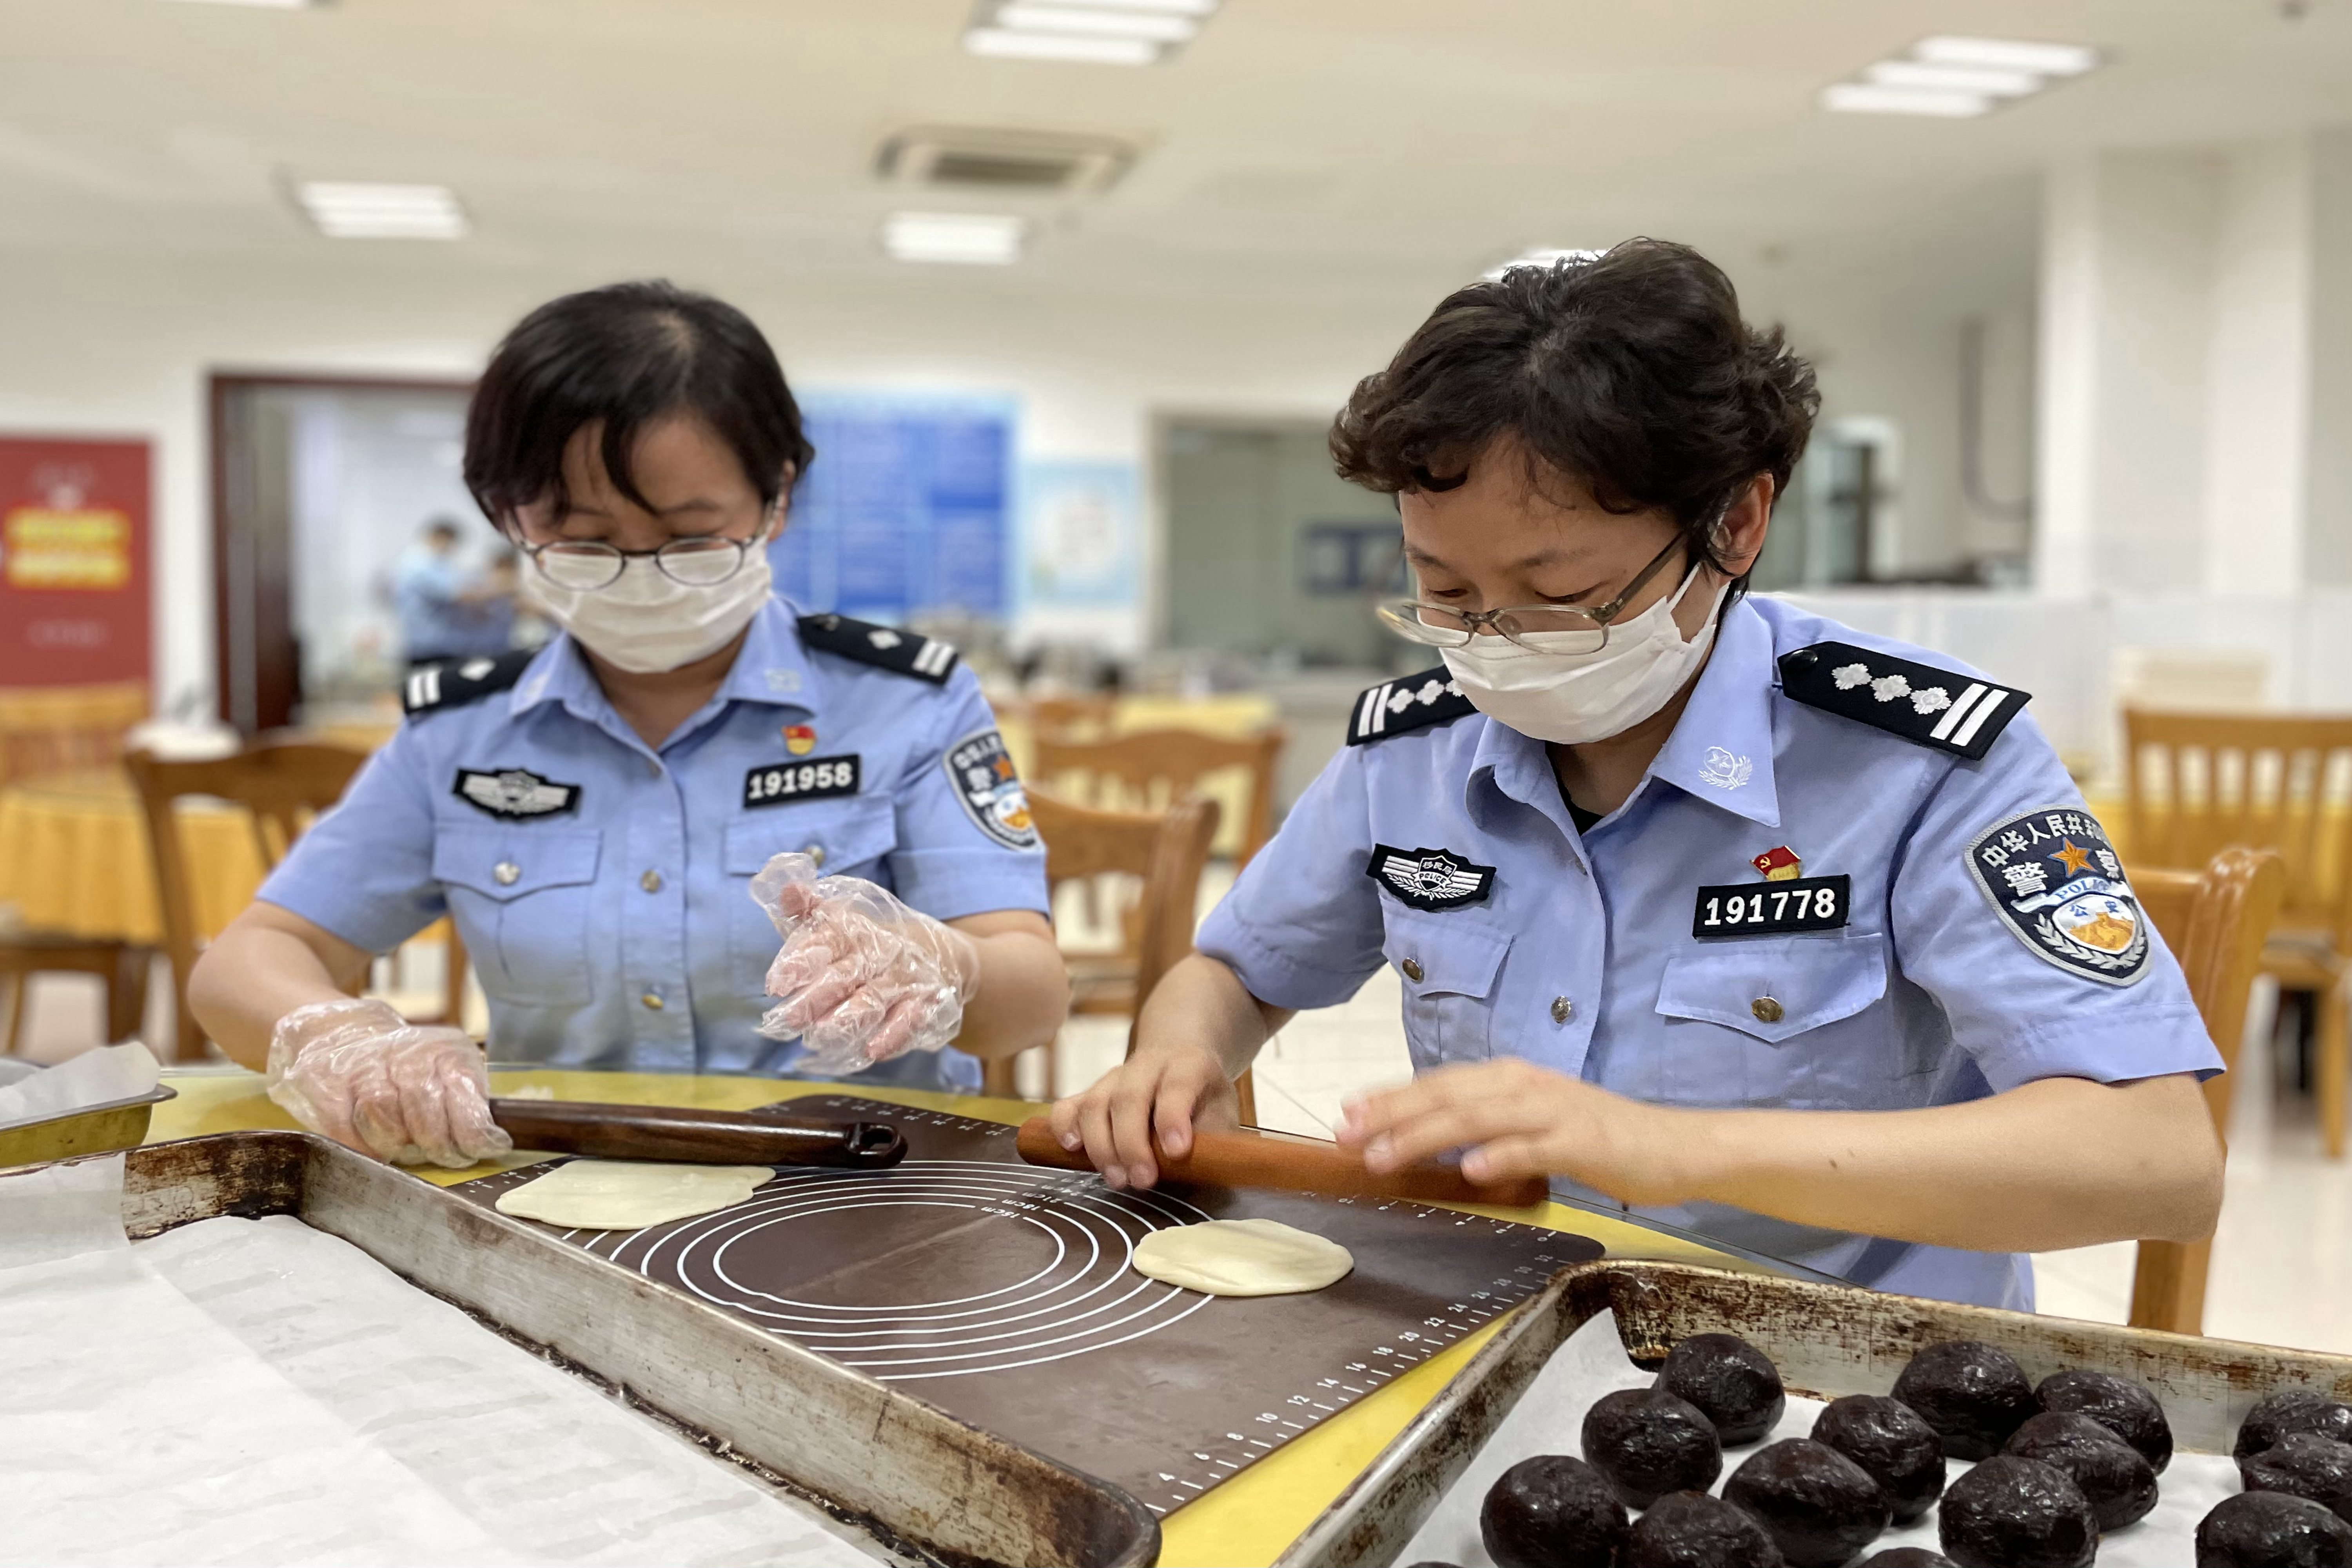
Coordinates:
1630	371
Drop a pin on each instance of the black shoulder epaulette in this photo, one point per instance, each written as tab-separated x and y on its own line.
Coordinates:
908	653
1408	702
1924	705
454	682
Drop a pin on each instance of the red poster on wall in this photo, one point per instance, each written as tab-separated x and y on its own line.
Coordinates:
74	600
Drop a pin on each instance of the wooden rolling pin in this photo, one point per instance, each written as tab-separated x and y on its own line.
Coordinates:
697	1137
1246	1159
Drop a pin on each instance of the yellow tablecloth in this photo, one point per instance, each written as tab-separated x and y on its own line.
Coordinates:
1247	1521
74	857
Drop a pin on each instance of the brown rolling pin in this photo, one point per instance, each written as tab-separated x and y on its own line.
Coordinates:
698	1137
1245	1160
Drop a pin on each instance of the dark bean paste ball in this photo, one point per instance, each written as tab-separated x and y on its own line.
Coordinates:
1820	1506
2295	1410
1551	1511
1692	1530
2010	1512
1973	1394
2271	1530
1894	1443
2122	1406
1648	1443
2115	1477
1733	1381
1909	1557
2304	1464
1433	1563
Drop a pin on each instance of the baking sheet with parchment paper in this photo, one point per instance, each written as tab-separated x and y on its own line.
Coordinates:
1001	1292
1549	1419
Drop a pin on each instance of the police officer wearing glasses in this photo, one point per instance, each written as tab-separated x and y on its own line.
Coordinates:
1702	906
698	831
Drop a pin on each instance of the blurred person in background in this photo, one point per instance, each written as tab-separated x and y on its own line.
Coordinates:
628	826
445	606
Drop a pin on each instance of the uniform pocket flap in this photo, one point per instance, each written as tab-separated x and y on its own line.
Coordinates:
1776	987
505	863
1445	954
844	833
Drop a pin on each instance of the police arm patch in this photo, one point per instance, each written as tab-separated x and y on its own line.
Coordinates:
1429	878
2057	882
981	772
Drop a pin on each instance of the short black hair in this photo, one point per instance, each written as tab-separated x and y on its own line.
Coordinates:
443	528
1630	371
629	354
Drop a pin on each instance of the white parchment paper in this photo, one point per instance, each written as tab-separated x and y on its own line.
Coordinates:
1549	1418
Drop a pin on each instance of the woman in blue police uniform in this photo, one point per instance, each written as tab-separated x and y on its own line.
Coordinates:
1701	905
592	815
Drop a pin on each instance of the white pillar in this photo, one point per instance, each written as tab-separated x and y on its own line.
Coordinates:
2258	388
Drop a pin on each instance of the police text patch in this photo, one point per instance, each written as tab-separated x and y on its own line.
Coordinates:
1429	878
981	771
2059	884
814	778
1772	909
515	793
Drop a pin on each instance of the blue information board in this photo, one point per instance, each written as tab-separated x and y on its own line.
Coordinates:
907	510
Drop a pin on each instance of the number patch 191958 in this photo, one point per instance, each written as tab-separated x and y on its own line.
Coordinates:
811	778
1771	909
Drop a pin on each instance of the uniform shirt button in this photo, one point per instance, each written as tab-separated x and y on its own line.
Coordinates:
505	872
1561	1009
815	852
651	1001
1768	1010
651	882
1411	969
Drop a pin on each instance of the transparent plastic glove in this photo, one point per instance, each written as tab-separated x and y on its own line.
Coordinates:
862	978
361	1074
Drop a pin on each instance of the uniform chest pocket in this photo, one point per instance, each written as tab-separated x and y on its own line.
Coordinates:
522	897
1798	1013
1449	968
846	838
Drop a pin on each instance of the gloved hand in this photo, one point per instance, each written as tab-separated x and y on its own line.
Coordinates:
411	1093
862	978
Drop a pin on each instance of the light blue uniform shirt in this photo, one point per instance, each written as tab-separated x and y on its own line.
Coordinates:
1581	956
601	885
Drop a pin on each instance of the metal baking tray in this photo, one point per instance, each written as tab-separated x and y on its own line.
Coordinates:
922	1483
92	1130
1827	1340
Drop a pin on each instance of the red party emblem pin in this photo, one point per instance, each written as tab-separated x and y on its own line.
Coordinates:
800	740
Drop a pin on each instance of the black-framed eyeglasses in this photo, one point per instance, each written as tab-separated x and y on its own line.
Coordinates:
584	565
1566	628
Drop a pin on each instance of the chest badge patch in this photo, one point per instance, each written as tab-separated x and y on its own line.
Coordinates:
819	778
515	793
982	773
2057	882
800	740
1429	878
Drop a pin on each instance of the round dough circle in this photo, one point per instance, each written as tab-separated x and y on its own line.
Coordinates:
1243	1257
629	1195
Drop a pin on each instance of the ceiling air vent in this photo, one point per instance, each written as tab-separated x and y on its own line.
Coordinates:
1002	163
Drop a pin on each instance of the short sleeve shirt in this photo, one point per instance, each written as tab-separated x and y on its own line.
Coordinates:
1939	977
602	886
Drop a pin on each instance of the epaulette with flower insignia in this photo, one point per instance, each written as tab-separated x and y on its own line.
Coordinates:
454	682
1924	705
908	653
1408	702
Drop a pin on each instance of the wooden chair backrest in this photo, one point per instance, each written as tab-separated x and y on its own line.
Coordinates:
1078	716
1156	766
2215	922
1167	849
284	785
66	729
2197	784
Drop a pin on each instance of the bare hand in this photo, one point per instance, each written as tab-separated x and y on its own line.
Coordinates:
1168	1092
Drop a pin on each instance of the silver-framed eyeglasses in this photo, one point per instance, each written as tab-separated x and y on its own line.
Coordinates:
584	564
1565	629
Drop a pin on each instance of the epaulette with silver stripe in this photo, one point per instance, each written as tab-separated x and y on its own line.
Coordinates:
908	653
1926	706
453	683
1408	702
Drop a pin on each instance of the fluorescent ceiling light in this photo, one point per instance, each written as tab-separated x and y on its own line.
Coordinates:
1955	78
1868	97
260	5
1165	8
1001	43
2006	54
1542	259
345	209
1087	21
988	239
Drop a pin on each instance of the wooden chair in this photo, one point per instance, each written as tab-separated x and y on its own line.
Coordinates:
283	784
1165	849
2200	783
2215	922
1073	717
120	966
1151	767
65	728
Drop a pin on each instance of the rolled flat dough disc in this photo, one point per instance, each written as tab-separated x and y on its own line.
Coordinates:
1243	1257
629	1195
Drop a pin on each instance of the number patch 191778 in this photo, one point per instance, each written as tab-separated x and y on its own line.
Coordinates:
1771	909
810	778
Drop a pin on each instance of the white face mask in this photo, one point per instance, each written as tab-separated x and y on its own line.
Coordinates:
645	621
1570	699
